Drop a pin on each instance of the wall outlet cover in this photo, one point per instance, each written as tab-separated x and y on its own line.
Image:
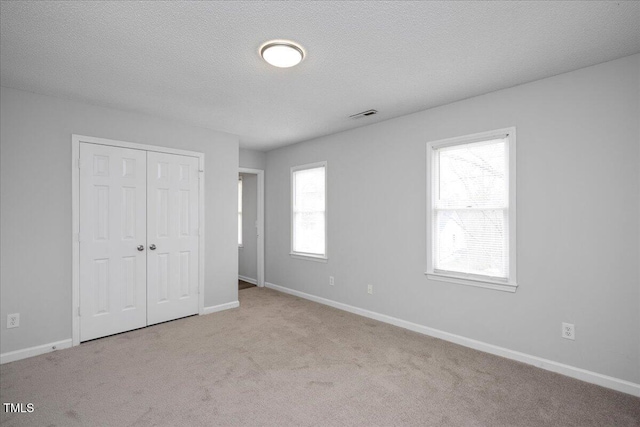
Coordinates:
568	331
13	320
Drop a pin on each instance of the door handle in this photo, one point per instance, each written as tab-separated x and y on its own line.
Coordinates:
152	247
141	248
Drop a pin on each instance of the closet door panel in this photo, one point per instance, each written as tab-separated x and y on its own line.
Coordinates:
173	236
112	231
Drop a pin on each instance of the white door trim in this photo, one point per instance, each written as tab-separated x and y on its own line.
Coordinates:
75	218
260	266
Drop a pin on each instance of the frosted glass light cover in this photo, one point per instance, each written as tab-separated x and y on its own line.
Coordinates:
282	55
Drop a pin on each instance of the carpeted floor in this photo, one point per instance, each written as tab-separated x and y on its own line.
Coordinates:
282	361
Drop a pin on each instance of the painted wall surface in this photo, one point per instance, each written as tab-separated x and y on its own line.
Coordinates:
252	159
35	205
248	253
578	208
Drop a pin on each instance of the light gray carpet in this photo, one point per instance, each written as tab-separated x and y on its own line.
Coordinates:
280	360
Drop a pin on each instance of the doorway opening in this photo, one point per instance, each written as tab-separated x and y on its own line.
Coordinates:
250	228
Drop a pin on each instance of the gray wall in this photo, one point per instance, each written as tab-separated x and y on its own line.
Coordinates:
578	219
248	254
35	205
252	159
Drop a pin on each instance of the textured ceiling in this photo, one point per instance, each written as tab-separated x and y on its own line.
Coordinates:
198	62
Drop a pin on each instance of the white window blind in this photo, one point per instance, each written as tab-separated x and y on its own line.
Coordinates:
309	210
240	211
470	209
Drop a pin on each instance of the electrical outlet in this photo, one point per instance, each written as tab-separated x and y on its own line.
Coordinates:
568	331
370	289
331	281
13	320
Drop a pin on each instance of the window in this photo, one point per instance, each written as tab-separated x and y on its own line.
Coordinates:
240	211
309	211
471	218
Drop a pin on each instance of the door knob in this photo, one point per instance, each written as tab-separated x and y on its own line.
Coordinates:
141	248
152	247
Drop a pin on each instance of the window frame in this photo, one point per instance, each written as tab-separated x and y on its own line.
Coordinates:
306	255
510	283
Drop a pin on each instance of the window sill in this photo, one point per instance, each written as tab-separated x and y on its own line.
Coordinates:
479	283
307	257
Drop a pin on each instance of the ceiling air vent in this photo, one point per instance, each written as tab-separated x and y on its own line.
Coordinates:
364	114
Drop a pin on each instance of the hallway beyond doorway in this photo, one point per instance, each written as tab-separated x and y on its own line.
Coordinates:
245	285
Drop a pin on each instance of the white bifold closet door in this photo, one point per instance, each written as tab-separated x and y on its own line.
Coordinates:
139	238
172	233
113	236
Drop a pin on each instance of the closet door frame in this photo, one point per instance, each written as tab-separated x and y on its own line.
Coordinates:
76	140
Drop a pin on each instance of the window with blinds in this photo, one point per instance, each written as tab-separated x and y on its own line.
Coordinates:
308	217
240	211
472	208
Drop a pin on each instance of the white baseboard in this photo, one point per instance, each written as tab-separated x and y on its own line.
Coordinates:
248	279
220	307
560	368
12	356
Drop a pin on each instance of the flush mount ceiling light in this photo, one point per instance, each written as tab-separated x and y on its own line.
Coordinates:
282	53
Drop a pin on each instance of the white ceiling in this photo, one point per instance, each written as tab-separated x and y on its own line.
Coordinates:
198	62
